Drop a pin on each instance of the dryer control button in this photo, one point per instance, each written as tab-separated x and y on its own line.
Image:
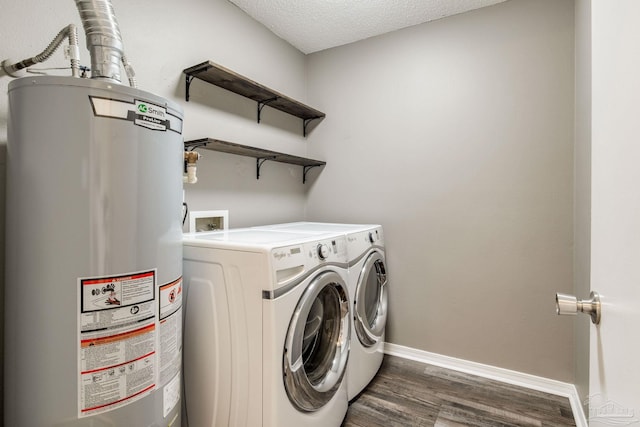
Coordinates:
323	251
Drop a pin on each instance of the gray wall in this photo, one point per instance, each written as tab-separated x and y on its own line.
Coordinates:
582	208
457	136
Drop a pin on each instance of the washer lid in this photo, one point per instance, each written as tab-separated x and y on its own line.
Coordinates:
246	237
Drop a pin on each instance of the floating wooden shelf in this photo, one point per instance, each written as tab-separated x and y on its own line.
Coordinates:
227	79
260	154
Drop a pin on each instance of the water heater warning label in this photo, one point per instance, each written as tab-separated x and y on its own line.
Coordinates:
115	301
170	334
118	336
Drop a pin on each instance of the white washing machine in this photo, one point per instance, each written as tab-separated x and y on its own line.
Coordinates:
266	334
367	284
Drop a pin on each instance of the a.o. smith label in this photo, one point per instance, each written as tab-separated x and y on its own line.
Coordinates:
150	116
141	113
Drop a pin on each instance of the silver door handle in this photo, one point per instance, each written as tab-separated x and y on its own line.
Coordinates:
569	304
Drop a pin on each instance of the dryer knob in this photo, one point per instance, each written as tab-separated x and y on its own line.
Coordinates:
323	251
371	238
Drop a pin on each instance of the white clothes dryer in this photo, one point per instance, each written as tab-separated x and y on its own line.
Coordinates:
369	295
267	329
367	284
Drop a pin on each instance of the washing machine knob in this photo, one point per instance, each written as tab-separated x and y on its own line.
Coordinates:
371	238
323	251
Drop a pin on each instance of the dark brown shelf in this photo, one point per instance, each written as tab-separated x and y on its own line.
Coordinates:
215	74
261	155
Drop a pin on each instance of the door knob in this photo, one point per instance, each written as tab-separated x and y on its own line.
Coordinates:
569	304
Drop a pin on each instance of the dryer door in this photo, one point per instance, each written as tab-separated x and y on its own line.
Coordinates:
371	301
317	343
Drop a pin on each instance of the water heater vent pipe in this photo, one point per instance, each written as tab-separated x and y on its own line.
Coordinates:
104	41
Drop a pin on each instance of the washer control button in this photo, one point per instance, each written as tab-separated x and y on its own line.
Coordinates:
323	251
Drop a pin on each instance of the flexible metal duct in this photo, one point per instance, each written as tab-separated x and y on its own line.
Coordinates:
69	32
104	40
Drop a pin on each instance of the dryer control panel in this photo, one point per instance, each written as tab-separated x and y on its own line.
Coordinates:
361	241
310	254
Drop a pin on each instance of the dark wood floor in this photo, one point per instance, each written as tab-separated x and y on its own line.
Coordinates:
408	393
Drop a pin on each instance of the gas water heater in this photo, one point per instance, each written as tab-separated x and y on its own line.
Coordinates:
94	249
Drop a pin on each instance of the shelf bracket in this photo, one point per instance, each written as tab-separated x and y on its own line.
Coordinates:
305	122
261	105
306	169
259	162
190	146
188	79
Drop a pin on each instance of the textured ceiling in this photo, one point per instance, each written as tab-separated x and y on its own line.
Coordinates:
314	25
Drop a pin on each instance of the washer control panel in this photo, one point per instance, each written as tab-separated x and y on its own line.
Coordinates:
323	251
333	249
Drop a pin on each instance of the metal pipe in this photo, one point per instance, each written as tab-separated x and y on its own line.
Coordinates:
190	160
104	40
128	69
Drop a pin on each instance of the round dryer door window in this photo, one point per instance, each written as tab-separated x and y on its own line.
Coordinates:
317	343
371	301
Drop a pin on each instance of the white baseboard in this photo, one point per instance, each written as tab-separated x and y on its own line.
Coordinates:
533	382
